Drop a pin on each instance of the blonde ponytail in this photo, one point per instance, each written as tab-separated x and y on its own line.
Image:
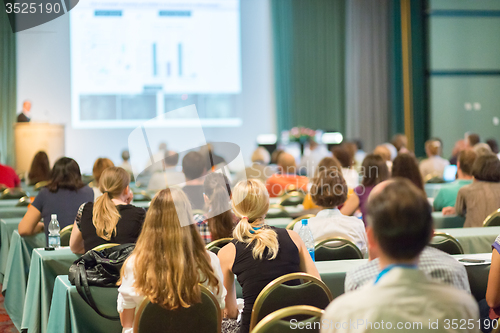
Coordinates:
250	202
105	215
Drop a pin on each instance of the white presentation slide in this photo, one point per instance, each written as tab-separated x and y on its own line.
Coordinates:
135	60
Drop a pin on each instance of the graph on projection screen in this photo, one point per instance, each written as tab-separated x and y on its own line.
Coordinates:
135	60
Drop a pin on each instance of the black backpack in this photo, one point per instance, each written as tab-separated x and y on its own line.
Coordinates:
98	268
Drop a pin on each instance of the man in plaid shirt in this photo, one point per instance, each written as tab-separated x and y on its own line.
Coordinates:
202	225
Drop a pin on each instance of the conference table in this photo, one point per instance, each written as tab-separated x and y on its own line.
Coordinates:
8	212
8	203
474	240
447	221
7	227
70	314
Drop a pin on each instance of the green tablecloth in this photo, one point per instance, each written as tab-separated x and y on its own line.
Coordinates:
280	222
448	221
70	313
7	227
16	273
45	267
474	240
8	203
7	212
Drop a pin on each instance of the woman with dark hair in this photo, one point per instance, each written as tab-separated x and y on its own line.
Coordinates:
62	196
374	171
220	221
481	198
40	169
406	166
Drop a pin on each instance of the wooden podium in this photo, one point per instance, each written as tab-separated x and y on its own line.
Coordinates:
31	137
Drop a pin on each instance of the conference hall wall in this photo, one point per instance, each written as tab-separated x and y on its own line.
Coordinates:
464	69
44	76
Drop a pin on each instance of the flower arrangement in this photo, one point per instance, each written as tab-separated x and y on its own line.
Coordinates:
301	134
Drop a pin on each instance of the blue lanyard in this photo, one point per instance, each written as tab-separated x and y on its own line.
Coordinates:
388	268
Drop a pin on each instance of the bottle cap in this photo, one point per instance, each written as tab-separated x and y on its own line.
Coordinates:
304	222
53	216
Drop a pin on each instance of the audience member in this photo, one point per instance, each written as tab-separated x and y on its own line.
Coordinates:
287	178
100	165
311	158
329	190
471	139
8	177
447	194
434	164
490	307
259	168
493	146
399	228
481	198
360	153
39	170
374	171
221	221
157	157
111	219
194	167
126	162
169	176
168	262
406	166
209	154
345	158
64	194
400	142
259	253
460	145
325	164
385	153
482	149
275	156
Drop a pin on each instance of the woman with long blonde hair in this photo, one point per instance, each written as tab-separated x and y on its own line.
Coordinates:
169	260
259	253
111	218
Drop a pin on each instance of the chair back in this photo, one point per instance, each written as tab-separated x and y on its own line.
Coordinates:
65	235
218	244
41	184
12	193
291	225
293	198
204	317
277	322
104	246
277	295
276	211
493	220
142	196
446	243
336	248
24	202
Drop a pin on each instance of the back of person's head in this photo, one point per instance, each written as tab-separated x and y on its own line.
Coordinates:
482	149
171	158
250	202
162	146
40	168
287	163
359	144
473	139
351	147
65	175
406	166
401	220
275	156
399	141
383	152
105	215
458	147
374	170
432	147
125	155
493	145
261	155
218	191
487	168
193	165
466	159
329	189
312	144
100	165
329	162
170	258
343	155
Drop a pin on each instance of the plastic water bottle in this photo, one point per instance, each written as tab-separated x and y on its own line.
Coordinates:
307	237
54	237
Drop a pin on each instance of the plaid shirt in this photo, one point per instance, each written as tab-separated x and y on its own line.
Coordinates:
202	225
434	263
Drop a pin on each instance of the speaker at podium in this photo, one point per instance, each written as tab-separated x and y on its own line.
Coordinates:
32	137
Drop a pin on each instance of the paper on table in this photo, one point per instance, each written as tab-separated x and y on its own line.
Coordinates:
477	256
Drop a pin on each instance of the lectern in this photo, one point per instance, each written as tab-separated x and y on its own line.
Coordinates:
31	137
